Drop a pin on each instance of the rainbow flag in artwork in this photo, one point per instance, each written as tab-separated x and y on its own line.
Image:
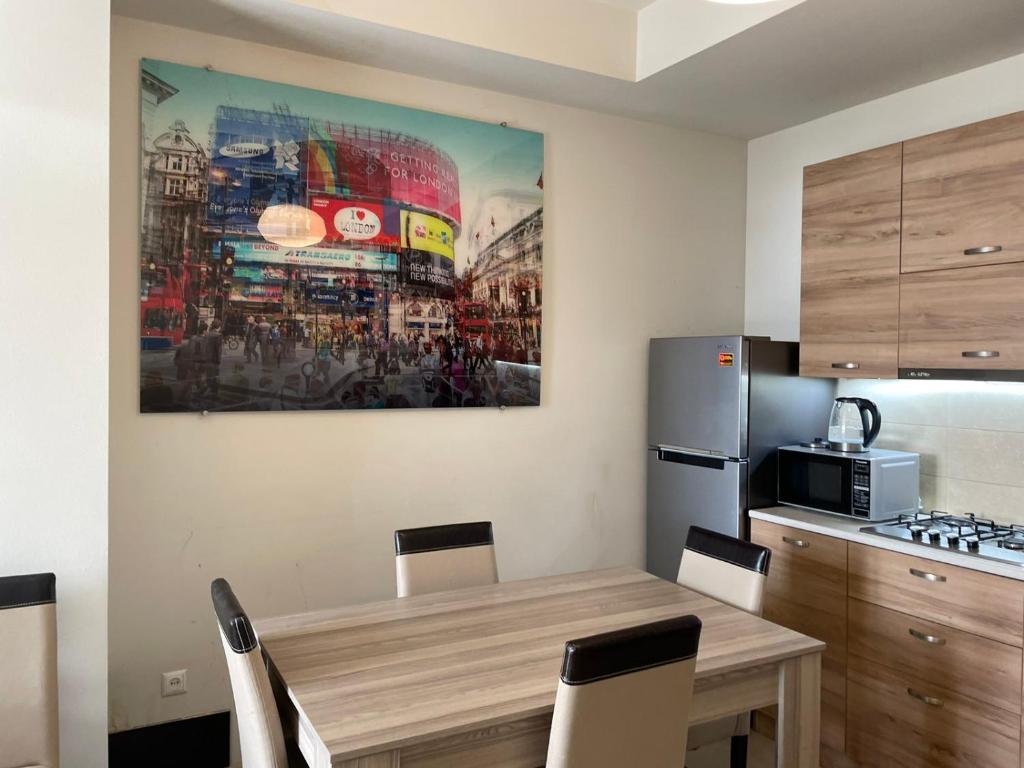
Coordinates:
323	159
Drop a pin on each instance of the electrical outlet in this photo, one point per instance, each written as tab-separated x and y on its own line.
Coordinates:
174	683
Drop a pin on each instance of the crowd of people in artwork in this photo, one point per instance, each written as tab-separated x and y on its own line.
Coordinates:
342	366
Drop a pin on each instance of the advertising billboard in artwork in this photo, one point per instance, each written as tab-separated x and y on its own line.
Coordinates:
430	271
357	222
251	292
258	251
256	161
264	273
427	233
353	160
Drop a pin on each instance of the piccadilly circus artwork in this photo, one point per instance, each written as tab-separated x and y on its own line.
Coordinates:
305	250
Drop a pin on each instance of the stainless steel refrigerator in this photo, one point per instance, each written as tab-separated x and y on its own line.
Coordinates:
718	407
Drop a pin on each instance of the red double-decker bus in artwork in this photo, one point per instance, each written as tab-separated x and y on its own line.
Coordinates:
161	309
473	320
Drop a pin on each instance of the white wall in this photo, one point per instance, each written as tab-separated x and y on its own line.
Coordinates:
53	387
775	173
643	237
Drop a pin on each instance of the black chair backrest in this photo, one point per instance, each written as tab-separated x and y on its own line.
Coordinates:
233	622
29	589
600	657
438	537
745	554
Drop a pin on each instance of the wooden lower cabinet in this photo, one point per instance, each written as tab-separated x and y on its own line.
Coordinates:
975	602
924	666
973	666
898	721
806	591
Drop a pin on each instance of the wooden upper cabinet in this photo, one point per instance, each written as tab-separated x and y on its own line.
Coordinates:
963	196
849	281
963	319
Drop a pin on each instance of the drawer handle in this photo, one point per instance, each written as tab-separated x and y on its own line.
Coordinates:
934	577
931	701
924	638
796	542
981	353
847	366
983	250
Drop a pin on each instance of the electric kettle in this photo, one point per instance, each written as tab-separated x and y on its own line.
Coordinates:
853	425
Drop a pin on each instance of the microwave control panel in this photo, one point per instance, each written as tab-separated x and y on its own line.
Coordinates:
861	488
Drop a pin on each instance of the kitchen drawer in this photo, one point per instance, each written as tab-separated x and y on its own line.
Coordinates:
963	192
806	568
806	592
974	602
889	726
806	587
973	666
963	319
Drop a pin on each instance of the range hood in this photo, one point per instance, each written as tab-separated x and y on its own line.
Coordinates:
962	374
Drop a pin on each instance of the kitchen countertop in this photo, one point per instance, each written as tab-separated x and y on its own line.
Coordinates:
845	528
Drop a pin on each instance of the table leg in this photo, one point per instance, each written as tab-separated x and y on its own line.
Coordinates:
798	729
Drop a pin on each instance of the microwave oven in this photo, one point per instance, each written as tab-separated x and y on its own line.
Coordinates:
873	485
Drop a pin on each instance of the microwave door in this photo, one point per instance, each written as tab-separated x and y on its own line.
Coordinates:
823	483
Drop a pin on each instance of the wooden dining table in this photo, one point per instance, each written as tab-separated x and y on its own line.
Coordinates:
467	678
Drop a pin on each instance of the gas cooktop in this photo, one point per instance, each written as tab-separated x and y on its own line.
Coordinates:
967	534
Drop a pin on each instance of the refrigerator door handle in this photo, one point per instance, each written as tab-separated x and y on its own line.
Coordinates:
695	458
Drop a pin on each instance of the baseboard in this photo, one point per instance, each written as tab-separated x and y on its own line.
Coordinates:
196	742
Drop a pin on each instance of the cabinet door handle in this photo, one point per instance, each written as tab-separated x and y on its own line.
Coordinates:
925	638
796	542
931	701
847	366
982	250
927	576
981	353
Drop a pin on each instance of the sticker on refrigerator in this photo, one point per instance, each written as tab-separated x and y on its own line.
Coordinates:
725	359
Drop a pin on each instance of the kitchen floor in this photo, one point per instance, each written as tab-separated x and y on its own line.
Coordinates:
761	754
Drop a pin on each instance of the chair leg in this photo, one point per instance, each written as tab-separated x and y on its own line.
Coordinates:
738	752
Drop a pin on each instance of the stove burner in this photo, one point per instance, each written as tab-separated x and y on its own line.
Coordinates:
967	534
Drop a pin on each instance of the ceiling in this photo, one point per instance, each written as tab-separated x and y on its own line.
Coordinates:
811	59
633	5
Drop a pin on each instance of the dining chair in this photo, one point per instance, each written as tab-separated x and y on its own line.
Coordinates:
731	571
623	695
442	557
28	671
260	734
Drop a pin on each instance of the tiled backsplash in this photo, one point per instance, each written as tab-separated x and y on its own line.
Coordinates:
970	436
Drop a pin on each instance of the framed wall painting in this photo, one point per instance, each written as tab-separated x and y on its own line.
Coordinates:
304	250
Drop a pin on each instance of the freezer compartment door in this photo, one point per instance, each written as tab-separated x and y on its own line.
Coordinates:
697	394
684	490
